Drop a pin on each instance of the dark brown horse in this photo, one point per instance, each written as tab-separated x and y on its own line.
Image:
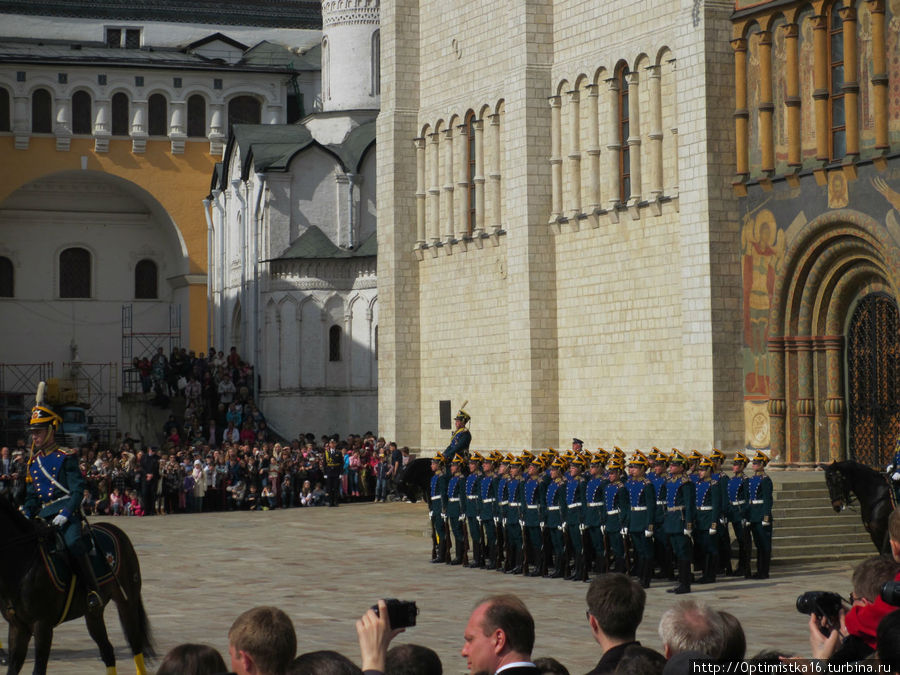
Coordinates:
851	481
33	604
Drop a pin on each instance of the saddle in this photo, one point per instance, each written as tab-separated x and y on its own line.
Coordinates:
104	556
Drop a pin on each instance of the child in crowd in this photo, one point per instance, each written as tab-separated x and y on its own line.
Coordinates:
318	495
116	503
306	495
253	499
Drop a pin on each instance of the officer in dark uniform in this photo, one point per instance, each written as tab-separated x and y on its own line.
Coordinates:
515	554
662	552
533	517
437	504
503	563
679	518
487	501
334	464
456	516
54	487
736	514
641	515
759	514
574	526
722	539
460	440
595	513
616	500
709	508
472	489
555	506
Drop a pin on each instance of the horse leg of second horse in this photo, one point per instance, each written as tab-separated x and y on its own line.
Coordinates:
97	629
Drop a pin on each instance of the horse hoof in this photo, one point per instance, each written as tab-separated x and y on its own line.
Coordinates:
4	658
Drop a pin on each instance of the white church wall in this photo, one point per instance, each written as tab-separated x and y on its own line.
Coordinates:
366	190
314	193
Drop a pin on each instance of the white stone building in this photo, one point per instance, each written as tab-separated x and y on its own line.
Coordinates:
292	212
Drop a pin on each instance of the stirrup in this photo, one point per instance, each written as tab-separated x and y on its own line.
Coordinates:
94	601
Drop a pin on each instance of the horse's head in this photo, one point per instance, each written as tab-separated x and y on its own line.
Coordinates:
838	487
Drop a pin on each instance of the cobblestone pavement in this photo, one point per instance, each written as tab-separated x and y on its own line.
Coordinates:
325	566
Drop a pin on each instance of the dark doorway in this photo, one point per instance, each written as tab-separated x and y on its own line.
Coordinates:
873	380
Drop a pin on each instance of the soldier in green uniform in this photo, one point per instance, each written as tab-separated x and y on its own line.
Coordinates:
574	522
641	516
533	517
709	508
662	552
722	539
736	514
456	516
616	503
502	511
679	519
472	490
437	504
555	507
759	514
595	513
513	522
487	501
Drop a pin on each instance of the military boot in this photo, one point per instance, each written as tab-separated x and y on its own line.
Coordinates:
684	578
85	572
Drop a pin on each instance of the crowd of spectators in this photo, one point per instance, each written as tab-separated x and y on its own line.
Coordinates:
500	634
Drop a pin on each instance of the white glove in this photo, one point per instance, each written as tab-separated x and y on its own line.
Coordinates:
895	476
478	518
745	523
712	531
624	531
561	528
504	522
766	524
581	528
889	468
521	523
60	520
687	532
648	534
603	529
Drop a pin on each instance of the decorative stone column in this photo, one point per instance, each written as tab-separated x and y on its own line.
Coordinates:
766	105
851	82
656	133
574	157
593	149
792	101
493	208
138	126
177	130
434	192
806	405
672	190
879	74
102	130
216	129
834	403
777	405
820	83
555	158
614	146
420	191
478	126
634	138
741	113
62	129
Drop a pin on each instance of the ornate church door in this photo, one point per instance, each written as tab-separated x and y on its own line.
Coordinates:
873	378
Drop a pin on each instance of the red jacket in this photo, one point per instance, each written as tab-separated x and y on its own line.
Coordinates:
862	620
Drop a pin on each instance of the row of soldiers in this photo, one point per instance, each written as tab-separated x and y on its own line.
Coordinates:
565	515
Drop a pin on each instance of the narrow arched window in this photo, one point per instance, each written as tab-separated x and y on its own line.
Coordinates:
196	113
121	124
7	278
470	170
81	113
837	118
334	343
376	63
157	115
145	280
326	70
243	110
75	273
624	130
41	115
4	110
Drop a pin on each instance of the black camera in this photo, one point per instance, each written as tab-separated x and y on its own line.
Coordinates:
401	613
890	593
824	604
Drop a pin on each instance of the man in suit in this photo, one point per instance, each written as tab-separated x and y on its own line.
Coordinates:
150	470
499	637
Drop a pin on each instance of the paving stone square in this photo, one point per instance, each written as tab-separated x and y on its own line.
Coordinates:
325	566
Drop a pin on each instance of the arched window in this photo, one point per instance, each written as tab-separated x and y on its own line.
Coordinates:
470	170
837	119
376	63
7	278
75	273
624	156
4	110
41	115
145	280
196	114
243	110
121	124
157	116
81	113
326	70
334	343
